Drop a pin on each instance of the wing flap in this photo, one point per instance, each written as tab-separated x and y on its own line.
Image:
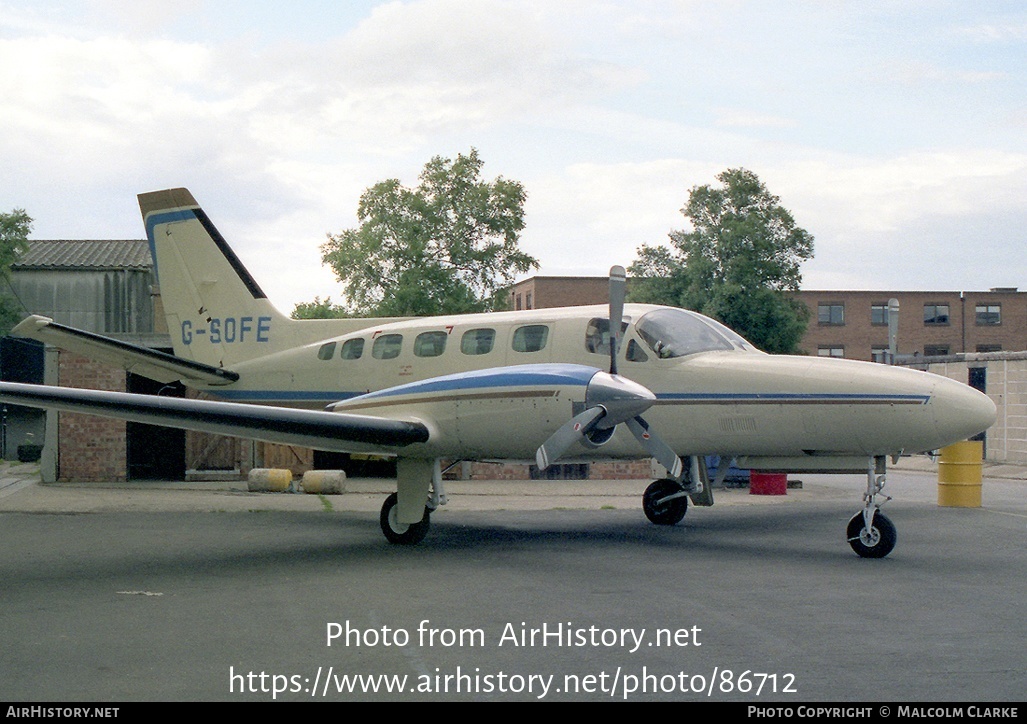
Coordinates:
331	431
140	360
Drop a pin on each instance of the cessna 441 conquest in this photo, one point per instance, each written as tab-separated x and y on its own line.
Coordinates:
544	385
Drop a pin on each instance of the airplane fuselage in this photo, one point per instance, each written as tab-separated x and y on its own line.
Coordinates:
803	412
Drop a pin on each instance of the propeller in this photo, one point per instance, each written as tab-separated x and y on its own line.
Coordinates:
609	401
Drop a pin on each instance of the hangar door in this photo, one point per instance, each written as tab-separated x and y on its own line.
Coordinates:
154	452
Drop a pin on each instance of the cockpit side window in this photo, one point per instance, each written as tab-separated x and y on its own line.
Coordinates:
635	353
676	333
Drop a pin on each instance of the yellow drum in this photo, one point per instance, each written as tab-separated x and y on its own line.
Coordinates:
960	473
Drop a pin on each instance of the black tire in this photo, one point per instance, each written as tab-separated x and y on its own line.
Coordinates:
669	513
879	543
398	533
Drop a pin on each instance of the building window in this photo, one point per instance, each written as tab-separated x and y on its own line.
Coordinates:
936	314
936	350
879	352
989	314
989	348
831	313
879	315
528	301
828	351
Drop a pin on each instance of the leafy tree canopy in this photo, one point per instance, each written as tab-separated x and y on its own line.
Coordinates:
319	309
14	231
736	263
450	245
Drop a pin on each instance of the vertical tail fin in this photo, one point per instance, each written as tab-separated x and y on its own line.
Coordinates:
217	313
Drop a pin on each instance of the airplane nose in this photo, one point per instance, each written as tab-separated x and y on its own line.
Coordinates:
960	411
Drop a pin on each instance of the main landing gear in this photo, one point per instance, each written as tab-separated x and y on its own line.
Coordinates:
869	532
419	492
665	501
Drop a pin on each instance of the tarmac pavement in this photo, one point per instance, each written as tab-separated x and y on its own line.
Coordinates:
136	592
21	490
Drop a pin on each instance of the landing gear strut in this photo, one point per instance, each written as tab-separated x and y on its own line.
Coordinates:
869	532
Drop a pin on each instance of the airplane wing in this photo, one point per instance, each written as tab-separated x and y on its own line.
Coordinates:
331	431
150	363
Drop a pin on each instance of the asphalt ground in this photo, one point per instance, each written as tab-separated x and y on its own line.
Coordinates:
559	591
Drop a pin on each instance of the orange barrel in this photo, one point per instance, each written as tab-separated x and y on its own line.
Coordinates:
768	483
959	474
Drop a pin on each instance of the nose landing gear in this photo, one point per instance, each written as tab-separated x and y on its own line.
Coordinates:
870	533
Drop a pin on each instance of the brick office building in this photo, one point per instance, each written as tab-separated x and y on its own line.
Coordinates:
853	324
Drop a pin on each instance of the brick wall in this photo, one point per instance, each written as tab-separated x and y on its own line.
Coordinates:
92	449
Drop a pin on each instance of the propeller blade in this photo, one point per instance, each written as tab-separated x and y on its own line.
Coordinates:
656	447
566	435
618	290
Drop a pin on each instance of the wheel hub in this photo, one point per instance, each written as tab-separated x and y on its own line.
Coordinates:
394	522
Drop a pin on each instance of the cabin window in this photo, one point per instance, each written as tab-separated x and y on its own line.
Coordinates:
352	349
327	351
597	335
531	338
430	344
478	341
387	346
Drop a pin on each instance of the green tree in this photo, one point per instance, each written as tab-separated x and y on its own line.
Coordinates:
319	309
14	231
736	264
450	245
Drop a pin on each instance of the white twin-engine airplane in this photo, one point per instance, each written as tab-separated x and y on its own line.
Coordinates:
545	385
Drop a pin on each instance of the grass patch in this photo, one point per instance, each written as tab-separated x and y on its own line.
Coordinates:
326	504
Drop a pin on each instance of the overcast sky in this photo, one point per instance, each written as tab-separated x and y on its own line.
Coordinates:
894	131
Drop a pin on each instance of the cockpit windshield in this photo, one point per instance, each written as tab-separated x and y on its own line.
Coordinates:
677	333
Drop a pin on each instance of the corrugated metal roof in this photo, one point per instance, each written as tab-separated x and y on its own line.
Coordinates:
86	254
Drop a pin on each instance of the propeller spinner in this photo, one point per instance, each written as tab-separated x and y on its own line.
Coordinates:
609	401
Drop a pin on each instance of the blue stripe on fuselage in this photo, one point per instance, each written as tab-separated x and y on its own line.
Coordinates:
810	397
493	378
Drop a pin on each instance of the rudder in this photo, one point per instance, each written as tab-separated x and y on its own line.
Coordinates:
217	313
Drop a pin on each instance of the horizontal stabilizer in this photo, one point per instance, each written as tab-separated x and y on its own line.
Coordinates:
139	360
331	431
